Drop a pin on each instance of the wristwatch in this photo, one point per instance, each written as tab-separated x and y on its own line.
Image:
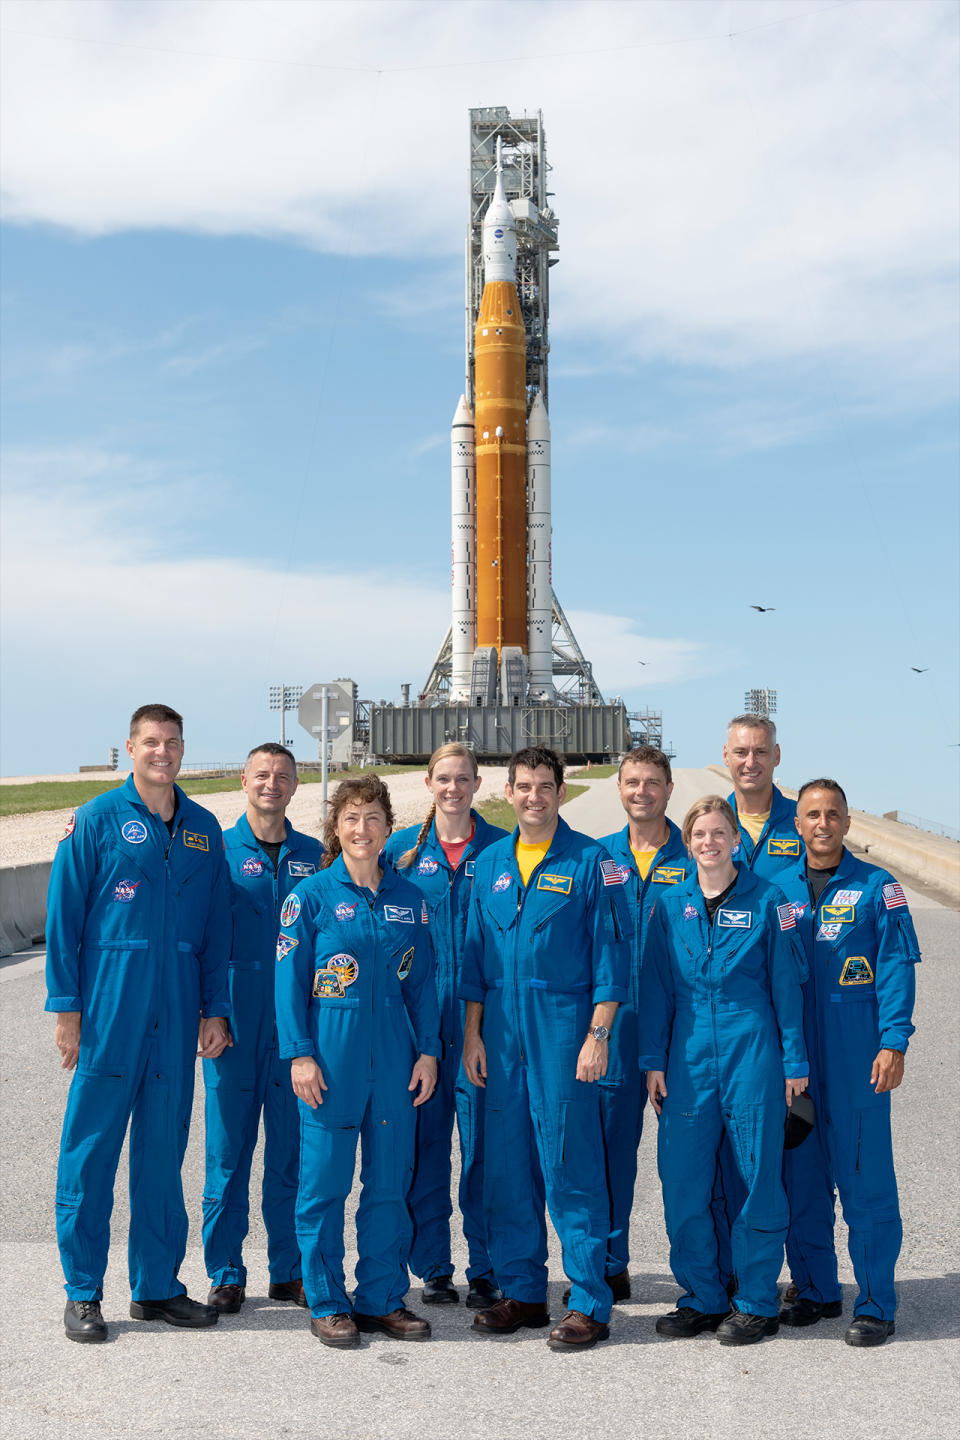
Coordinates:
600	1032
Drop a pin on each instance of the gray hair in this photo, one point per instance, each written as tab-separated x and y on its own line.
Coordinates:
755	722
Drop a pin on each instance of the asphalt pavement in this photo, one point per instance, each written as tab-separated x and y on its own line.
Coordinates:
261	1374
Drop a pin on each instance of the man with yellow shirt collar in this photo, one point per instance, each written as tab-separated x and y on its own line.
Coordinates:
769	842
544	968
651	857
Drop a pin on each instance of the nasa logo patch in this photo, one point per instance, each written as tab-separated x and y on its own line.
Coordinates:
125	891
290	913
252	867
502	882
690	912
134	832
427	866
799	909
625	872
344	912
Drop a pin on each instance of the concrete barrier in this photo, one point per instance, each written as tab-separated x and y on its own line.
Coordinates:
907	852
23	906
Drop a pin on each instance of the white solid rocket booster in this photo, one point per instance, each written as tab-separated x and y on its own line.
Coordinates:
539	578
464	554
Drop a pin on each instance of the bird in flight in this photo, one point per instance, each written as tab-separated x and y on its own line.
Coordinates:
643	662
763	608
919	671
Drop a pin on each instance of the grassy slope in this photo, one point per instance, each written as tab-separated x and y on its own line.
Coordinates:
500	812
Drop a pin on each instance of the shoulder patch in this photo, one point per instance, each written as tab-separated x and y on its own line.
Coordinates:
285	943
788	921
403	969
69	828
194	840
556	884
290	913
668	875
424	913
856	971
134	832
301	867
893	896
734	919
783	845
610	871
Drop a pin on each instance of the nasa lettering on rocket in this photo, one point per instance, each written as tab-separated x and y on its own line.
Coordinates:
502	631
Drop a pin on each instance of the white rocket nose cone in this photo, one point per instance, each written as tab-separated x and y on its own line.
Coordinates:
499	238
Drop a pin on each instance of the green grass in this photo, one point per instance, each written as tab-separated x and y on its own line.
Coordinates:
500	812
68	794
596	772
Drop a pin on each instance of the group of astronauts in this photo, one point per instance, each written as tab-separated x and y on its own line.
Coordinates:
530	989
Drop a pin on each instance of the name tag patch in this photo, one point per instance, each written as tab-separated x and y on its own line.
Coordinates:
398	914
557	884
734	919
468	867
301	867
856	971
783	846
195	841
134	832
668	875
290	913
838	914
403	969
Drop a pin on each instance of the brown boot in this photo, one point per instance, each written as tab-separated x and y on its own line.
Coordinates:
399	1324
337	1331
227	1298
291	1290
577	1332
509	1315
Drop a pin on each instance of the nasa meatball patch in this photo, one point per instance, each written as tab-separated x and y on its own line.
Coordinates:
252	867
427	866
502	882
125	891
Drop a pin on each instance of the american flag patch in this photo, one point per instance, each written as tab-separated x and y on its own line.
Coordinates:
893	896
424	914
788	921
610	871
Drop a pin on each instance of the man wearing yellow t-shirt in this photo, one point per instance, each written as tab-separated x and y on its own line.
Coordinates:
544	968
768	836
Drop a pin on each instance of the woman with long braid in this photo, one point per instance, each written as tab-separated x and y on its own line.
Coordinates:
438	857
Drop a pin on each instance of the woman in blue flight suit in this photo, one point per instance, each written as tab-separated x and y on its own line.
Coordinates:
721	1012
438	857
354	986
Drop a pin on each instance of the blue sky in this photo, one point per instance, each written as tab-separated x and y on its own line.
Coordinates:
232	346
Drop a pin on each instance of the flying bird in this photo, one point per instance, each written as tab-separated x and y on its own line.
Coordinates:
918	670
643	662
763	608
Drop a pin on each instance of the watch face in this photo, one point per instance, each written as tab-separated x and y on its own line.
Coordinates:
600	1032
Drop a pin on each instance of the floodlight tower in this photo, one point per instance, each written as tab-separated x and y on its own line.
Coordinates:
760	702
284	698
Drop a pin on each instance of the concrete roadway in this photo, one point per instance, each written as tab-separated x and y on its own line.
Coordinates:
261	1374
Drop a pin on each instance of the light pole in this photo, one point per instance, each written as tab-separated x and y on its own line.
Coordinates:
760	702
284	698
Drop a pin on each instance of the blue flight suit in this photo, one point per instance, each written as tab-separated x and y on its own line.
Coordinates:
621	1097
776	851
863	950
249	1077
539	958
138	933
721	1012
447	893
355	990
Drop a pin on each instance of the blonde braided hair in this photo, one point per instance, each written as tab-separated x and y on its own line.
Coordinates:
444	752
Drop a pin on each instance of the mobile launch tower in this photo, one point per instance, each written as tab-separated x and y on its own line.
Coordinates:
509	672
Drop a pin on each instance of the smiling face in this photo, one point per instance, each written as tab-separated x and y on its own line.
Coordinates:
536	801
362	830
751	757
453	785
156	750
269	782
712	841
822	821
644	792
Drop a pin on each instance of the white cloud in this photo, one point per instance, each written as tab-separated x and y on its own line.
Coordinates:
729	189
625	659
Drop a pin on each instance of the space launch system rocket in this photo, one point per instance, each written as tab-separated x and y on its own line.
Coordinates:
500	465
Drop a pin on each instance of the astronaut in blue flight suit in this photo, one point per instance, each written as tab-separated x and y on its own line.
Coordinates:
439	857
651	855
266	858
545	965
357	1018
138	932
854	921
721	1039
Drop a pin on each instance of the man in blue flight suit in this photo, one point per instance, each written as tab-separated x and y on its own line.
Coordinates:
138	933
651	855
266	858
546	964
855	924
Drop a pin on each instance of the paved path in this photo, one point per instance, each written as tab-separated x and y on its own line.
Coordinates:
260	1374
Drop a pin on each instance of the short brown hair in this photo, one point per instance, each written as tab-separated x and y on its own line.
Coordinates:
708	805
159	714
647	755
531	758
270	747
368	790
